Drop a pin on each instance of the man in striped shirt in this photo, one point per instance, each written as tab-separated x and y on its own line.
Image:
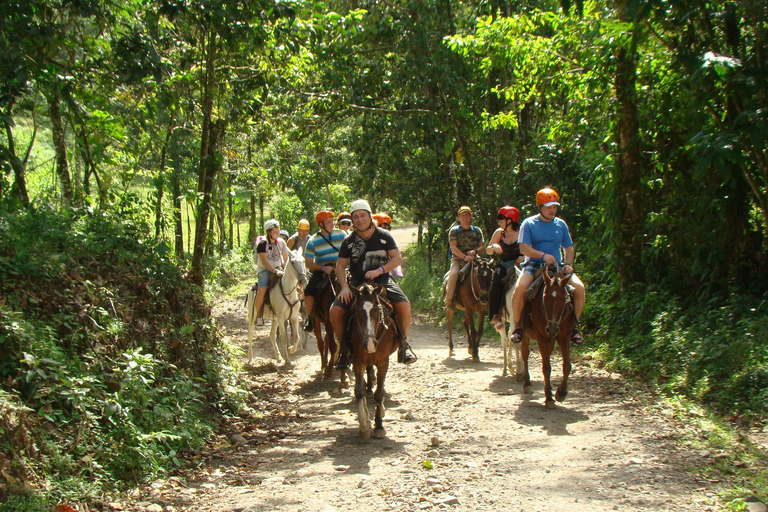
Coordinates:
321	254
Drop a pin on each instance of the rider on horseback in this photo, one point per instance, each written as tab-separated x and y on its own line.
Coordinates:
384	221
371	254
541	237
504	243
344	222
299	239
465	241
320	255
270	254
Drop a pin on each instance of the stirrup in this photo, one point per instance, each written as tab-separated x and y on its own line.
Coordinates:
406	355
517	335
576	336
343	362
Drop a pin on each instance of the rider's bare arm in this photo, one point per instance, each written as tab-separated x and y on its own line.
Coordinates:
493	245
570	253
529	251
341	275
395	259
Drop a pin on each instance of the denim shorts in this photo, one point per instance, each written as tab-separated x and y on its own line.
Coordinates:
394	294
264	278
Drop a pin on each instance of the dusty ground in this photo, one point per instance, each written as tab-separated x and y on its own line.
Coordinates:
459	437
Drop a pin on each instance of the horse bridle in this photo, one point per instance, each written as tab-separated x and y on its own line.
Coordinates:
472	278
285	295
551	324
382	326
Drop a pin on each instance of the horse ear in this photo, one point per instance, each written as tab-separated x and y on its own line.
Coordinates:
564	281
379	290
300	252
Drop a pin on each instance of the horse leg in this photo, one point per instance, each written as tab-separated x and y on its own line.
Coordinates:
250	340
381	374
370	377
295	337
449	324
273	338
545	349
479	334
467	323
520	370
363	416
505	346
562	389
526	348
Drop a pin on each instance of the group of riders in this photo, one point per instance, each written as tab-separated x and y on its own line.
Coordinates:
360	241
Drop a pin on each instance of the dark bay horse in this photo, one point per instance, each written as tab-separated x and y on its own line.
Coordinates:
472	296
326	344
374	335
548	318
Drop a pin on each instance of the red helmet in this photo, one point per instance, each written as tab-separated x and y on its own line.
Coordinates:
382	218
546	196
321	216
509	212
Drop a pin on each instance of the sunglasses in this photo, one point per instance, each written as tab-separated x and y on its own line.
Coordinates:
346	222
385	226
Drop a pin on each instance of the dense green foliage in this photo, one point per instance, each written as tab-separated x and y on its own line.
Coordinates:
111	367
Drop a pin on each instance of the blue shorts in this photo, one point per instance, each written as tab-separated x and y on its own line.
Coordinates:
264	278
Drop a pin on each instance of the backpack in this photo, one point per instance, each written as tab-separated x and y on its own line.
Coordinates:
457	227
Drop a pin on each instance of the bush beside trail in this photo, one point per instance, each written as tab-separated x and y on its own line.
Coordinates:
110	364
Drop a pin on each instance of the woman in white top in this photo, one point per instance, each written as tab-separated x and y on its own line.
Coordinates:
270	255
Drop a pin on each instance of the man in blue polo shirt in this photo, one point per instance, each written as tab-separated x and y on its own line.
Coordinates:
540	239
320	255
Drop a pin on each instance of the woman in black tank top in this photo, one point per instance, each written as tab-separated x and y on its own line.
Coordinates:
503	243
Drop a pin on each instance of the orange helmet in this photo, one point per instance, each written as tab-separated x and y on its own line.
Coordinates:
382	218
344	215
321	216
547	197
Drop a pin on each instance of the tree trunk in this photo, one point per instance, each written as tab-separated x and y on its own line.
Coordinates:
252	221
161	180
19	175
208	172
60	147
629	168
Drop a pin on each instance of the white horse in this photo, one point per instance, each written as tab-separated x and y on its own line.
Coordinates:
506	334
284	299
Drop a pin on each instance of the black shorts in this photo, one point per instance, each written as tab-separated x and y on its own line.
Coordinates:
394	294
317	277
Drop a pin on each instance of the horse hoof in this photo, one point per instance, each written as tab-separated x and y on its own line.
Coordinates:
550	404
450	353
560	397
528	389
365	435
379	433
292	350
475	359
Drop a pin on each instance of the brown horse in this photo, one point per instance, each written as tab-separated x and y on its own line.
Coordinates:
472	296
326	344
373	335
548	318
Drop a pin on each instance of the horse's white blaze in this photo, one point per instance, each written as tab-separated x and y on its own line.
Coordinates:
554	293
369	333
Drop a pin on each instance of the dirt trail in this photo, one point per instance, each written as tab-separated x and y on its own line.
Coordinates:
459	437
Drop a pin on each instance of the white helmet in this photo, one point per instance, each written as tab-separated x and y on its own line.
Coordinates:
270	224
360	204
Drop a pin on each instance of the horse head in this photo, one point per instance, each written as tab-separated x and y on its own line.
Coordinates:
556	300
299	265
483	276
370	324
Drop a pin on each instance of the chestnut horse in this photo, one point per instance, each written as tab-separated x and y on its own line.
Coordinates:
326	344
548	318
472	296
373	335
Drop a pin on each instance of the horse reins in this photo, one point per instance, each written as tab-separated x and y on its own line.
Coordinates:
282	290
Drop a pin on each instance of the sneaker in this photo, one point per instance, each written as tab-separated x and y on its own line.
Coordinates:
517	335
576	337
343	363
259	322
406	356
309	325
